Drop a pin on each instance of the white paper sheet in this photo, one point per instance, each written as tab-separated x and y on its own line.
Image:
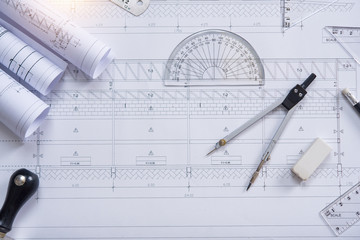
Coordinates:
123	156
27	64
21	111
60	34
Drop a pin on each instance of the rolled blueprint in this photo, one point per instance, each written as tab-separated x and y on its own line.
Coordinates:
20	110
60	34
29	65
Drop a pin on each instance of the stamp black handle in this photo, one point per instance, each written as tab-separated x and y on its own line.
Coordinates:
22	185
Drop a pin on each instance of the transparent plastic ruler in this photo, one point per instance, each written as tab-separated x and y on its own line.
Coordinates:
349	38
136	7
344	212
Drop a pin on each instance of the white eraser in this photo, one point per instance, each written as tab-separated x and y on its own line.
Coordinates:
312	158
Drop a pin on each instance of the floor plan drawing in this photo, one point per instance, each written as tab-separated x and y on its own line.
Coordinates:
123	156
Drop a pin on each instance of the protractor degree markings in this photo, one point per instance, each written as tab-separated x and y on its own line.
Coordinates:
199	58
191	76
236	66
214	50
237	72
233	60
227	59
205	58
191	69
185	71
237	63
189	73
197	62
222	55
217	60
216	54
211	56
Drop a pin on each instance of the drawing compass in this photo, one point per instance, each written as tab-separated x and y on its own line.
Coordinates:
289	102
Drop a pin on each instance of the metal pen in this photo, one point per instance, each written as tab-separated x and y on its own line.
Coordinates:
352	99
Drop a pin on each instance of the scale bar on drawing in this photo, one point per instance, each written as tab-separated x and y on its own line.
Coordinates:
75	161
226	160
150	161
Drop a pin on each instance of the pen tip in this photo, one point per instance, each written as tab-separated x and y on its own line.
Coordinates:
248	186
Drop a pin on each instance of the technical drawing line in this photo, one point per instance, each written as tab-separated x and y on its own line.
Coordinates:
54	173
158	107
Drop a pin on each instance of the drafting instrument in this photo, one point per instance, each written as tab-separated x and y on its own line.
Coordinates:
344	212
289	102
293	18
22	185
135	7
214	58
352	99
348	38
311	159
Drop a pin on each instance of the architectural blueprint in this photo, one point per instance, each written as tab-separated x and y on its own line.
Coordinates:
59	33
27	64
123	156
27	23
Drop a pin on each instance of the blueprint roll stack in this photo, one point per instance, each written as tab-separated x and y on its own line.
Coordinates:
27	64
20	110
59	34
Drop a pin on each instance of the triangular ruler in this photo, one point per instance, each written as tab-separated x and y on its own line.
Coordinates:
348	38
296	12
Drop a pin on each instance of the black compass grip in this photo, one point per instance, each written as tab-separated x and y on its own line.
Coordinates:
308	81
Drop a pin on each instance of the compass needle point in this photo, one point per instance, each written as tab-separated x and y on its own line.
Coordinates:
209	153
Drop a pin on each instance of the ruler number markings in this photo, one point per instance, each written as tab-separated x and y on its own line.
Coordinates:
344	212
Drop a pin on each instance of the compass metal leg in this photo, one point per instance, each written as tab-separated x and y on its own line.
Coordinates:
269	149
247	124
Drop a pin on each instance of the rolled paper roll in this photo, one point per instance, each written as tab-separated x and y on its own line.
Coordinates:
20	110
60	34
27	64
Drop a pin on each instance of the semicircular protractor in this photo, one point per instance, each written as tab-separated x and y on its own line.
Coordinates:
214	57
